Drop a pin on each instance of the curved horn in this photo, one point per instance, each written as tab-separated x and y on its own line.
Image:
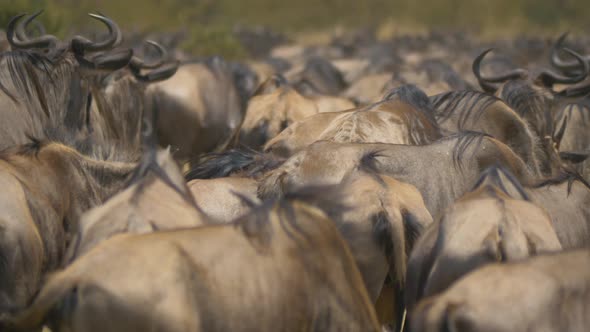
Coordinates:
548	78
566	66
163	73
39	42
81	44
22	26
140	64
577	91
485	82
109	61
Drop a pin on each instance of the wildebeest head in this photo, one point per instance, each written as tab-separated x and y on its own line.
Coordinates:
530	93
120	104
273	108
42	75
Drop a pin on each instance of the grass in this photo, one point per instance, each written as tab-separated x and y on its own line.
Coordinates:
209	23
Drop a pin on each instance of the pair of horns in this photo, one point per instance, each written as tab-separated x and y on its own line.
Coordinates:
80	46
546	77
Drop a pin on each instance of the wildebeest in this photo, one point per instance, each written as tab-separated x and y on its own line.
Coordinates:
297	273
565	197
442	171
47	186
157	199
275	106
543	293
120	105
529	93
456	111
380	218
47	92
401	118
198	108
486	225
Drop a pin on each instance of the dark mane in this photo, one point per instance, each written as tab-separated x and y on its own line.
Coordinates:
565	175
493	175
29	149
527	100
412	95
466	103
23	70
523	97
327	198
465	139
222	164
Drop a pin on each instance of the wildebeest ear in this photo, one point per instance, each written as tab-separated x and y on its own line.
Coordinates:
574	157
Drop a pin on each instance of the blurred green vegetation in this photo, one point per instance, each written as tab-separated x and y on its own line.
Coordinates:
209	23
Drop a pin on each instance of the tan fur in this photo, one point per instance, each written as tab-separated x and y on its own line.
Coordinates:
147	206
191	280
218	198
544	293
44	195
384	122
199	108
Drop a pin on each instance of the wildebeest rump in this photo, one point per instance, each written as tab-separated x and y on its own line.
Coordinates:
297	273
486	225
543	293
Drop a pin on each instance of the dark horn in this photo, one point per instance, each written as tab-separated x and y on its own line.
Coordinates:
39	42
559	63
163	73
20	30
548	78
108	62
140	64
81	44
577	91
486	82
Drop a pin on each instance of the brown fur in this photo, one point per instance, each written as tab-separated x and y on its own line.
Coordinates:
198	108
276	106
389	121
476	111
194	281
46	189
543	293
224	199
442	171
485	225
148	205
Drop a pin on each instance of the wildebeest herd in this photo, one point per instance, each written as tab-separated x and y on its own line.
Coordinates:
363	185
